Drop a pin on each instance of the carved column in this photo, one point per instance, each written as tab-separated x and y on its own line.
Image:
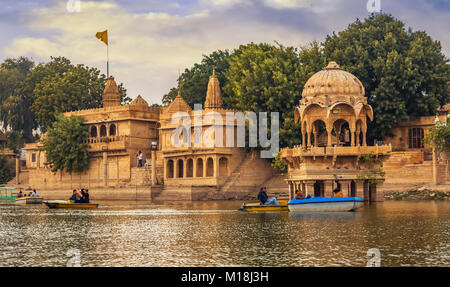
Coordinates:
105	167
153	167
328	188
309	186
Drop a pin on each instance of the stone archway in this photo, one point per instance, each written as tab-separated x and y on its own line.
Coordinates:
190	168
199	171
209	167
180	168
170	168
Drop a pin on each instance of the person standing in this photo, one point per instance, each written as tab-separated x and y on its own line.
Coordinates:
140	158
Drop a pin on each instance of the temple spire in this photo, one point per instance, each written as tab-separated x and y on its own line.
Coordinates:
213	94
111	96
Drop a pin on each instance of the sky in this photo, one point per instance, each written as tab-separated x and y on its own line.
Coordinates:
152	40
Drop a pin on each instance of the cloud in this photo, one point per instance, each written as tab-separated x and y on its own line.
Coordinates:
151	41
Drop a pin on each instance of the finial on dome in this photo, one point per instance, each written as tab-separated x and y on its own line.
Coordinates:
214	72
332	65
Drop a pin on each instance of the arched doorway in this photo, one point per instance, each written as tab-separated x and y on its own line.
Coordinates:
199	171
318	188
180	168
170	168
93	132
112	130
320	136
103	131
223	166
190	168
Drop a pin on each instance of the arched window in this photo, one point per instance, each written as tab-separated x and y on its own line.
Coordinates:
112	130
210	167
180	168
199	172
93	132
103	131
190	168
170	168
415	136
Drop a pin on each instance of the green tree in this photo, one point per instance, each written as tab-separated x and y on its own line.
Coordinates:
266	78
439	137
14	101
404	73
59	86
5	172
66	145
194	81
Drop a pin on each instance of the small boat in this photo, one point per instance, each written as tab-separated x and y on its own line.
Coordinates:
69	204
8	194
29	200
258	206
323	204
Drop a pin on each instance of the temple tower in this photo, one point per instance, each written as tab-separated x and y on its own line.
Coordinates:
111	96
213	95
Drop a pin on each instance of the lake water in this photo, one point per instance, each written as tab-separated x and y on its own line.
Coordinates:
215	234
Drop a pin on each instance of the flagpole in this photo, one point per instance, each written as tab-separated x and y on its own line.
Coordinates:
107	59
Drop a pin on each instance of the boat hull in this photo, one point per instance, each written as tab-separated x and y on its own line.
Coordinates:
321	204
70	205
29	200
265	207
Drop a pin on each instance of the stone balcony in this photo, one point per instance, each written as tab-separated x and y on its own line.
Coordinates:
110	142
335	151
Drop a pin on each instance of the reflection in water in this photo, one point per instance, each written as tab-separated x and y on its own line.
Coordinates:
215	234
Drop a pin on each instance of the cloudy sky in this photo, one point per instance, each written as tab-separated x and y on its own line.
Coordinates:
151	40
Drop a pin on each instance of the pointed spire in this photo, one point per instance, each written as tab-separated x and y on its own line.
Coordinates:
213	94
111	96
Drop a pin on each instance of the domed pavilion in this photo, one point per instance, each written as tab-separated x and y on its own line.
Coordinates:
333	113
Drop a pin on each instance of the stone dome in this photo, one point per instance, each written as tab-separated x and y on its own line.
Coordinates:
332	81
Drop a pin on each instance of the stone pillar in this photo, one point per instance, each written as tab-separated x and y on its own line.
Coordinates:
216	165
329	137
352	137
364	130
309	184
165	169
204	166
175	168
345	187
309	138
359	188
290	190
194	167
153	167
17	169
315	138
435	175
358	132
105	167
379	191
328	188
184	167
303	140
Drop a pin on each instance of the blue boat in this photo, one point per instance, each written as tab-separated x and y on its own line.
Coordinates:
323	204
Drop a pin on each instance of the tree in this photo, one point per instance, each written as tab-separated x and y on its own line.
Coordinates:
194	82
439	137
14	101
66	145
5	172
59	86
404	73
266	78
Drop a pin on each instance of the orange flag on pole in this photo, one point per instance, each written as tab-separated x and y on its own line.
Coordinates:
103	36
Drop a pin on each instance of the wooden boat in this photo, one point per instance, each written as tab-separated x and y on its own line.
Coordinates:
29	200
265	207
8	194
68	204
323	204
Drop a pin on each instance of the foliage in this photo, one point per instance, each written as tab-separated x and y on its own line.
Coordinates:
14	140
65	88
5	172
66	146
439	137
14	99
278	163
373	168
194	82
404	73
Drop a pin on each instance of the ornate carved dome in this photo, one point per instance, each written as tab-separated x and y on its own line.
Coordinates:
332	81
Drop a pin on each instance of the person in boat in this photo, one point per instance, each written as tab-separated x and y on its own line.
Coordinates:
337	192
264	199
74	195
299	194
78	197
20	194
86	196
35	193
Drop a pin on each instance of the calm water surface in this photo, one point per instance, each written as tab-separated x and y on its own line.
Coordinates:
214	234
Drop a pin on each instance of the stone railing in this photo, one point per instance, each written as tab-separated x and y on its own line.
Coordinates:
110	142
298	151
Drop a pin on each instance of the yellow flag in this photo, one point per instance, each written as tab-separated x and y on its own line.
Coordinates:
103	36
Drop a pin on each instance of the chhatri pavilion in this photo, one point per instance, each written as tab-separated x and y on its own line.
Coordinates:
333	113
